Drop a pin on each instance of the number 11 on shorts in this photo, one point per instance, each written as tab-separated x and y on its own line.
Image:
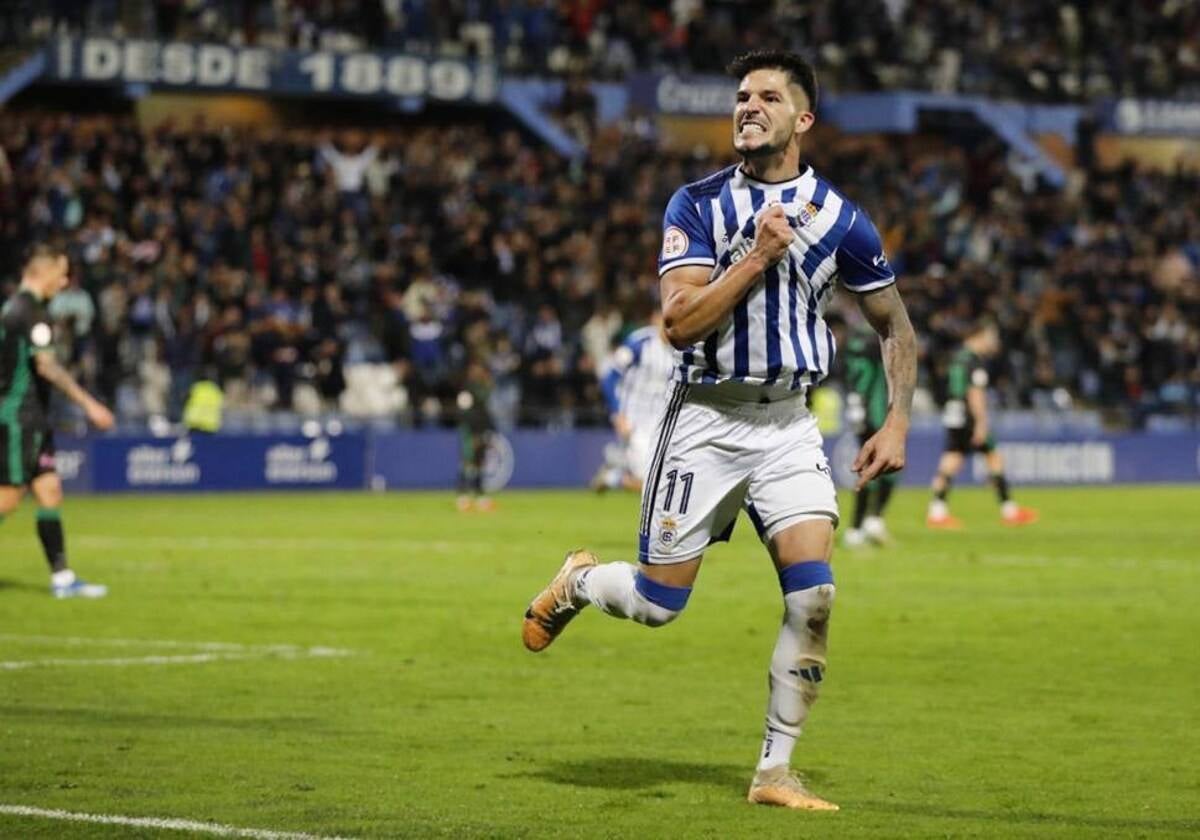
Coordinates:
684	497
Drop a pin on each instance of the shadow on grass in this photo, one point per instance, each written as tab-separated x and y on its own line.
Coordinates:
1105	824
6	583
618	773
112	717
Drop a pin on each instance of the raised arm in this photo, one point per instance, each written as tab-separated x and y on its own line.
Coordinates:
694	307
58	376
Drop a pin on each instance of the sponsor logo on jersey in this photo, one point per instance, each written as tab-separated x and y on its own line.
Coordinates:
675	243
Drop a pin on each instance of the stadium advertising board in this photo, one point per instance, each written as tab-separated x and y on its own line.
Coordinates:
226	68
429	459
666	93
1104	459
1151	116
520	458
73	462
229	462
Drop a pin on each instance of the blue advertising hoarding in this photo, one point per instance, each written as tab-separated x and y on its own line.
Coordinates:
698	96
227	68
521	458
1151	117
73	462
228	462
528	458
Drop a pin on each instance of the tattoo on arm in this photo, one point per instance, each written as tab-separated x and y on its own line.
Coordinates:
886	313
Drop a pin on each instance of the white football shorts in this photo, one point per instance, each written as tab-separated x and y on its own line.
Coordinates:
721	449
637	449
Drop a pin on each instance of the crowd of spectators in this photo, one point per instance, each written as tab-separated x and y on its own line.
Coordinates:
276	260
1028	49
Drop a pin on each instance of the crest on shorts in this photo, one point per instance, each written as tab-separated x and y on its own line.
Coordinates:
668	530
675	243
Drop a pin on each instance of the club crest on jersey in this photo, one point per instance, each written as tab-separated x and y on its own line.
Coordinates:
668	530
675	243
807	213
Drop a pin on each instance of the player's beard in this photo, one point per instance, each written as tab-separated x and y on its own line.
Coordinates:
774	146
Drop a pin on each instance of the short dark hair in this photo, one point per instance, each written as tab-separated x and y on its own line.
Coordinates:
799	71
981	325
44	250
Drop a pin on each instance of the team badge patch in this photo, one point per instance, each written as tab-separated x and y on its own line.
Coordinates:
675	243
807	213
668	530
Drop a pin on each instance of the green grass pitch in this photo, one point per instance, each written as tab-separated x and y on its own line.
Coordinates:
992	683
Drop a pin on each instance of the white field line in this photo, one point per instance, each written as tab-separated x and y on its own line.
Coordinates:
182	659
390	545
209	652
101	641
215	829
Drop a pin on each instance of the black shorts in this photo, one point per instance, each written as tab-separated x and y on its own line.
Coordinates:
25	453
959	440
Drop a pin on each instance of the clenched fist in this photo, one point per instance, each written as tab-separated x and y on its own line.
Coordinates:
774	234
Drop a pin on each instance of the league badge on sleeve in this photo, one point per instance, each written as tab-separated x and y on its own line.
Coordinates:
41	334
675	243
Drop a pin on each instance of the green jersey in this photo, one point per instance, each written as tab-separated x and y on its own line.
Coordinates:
473	414
867	380
966	371
24	331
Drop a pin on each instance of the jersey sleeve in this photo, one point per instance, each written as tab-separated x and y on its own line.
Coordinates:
979	375
686	239
23	319
862	265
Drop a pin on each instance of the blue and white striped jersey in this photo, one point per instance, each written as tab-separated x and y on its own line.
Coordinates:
638	377
776	335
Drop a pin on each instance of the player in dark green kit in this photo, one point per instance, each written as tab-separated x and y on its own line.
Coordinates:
866	409
28	369
475	429
965	416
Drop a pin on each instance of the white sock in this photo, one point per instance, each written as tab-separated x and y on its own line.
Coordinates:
938	509
797	668
64	577
777	749
1008	509
612	587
